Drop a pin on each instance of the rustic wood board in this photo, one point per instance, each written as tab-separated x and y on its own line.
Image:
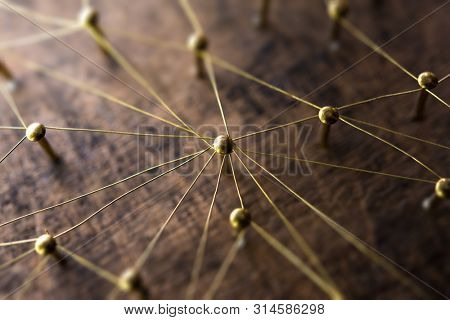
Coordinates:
292	54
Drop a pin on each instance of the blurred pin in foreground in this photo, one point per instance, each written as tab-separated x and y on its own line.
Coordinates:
89	19
337	9
198	44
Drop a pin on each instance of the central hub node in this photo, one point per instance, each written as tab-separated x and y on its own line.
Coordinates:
329	115
223	145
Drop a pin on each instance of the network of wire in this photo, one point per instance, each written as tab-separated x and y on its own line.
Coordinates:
225	147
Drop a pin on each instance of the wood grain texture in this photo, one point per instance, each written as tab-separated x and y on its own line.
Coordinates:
293	54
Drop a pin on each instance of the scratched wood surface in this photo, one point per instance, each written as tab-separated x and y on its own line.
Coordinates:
293	54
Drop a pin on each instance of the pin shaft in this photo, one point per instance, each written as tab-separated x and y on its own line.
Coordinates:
5	72
48	149
420	106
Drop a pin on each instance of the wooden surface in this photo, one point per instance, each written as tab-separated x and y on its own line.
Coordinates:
293	54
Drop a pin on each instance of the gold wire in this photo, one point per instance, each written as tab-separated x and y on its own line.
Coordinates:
212	78
387	263
148	250
120	59
12	149
115	54
82	86
221	273
358	34
276	127
397	133
192	17
37	38
444	78
13	243
299	239
101	40
438	98
199	256
12	104
350	124
124	195
235	182
297	262
391	145
126	133
378	98
20	291
96	190
16	259
113	294
7	5
339	166
102	273
228	66
11	128
148	40
365	57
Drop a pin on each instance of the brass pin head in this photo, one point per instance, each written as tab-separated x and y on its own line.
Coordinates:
328	115
337	9
197	42
88	16
427	80
35	131
129	280
442	188
240	219
223	145
45	244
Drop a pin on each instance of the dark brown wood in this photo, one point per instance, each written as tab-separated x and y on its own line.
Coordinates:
292	53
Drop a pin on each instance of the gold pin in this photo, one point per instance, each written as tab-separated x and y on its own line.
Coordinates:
262	19
240	219
441	192
131	282
36	133
7	74
88	18
328	116
223	145
198	44
337	9
426	80
45	245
